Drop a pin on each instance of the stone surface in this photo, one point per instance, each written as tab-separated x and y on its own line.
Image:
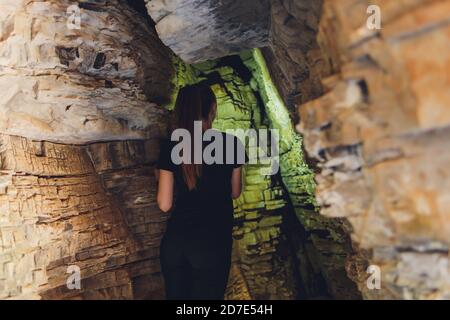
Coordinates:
80	202
322	244
101	81
199	30
299	63
60	209
380	136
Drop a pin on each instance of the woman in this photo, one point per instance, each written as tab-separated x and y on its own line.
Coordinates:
195	251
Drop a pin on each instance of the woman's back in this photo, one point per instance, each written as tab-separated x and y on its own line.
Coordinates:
211	198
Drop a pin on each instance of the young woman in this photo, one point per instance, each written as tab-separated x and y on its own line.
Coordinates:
195	251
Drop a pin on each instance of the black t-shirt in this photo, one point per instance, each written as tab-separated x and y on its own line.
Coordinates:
211	200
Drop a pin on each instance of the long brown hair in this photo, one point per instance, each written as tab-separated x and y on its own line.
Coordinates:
194	103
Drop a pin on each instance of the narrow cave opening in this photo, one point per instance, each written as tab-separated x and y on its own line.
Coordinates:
275	256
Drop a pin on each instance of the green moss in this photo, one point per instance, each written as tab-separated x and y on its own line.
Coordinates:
297	177
185	74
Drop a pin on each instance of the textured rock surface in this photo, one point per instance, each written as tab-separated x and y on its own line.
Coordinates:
299	63
59	209
322	244
101	81
85	205
199	30
380	133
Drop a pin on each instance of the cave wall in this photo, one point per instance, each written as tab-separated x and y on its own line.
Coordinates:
80	128
201	30
371	105
320	244
102	80
300	65
296	66
60	208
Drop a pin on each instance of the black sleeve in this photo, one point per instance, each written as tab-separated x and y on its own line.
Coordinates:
165	160
239	150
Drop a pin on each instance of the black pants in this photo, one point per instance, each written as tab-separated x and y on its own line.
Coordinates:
196	259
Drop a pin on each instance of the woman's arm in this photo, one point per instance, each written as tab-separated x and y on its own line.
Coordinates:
236	183
165	190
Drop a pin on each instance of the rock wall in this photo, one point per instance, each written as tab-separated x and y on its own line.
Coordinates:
320	244
77	190
63	82
84	206
200	30
299	62
371	107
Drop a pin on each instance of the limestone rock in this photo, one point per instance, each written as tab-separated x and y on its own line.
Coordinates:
99	80
381	134
61	210
199	30
299	64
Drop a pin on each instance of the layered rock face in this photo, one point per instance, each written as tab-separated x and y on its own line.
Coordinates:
87	208
199	30
299	65
321	244
91	208
380	133
77	72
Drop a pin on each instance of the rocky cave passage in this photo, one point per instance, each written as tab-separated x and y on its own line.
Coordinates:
364	147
